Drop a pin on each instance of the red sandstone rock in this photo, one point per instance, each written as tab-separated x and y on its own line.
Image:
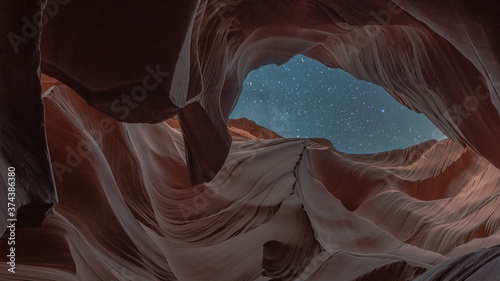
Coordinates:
427	55
146	201
281	208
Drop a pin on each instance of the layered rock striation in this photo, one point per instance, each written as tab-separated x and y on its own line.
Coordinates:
287	209
208	199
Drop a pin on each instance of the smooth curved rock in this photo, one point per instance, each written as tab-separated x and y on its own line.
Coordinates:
151	202
290	209
426	54
23	145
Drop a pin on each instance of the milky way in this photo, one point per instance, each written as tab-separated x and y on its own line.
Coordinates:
305	99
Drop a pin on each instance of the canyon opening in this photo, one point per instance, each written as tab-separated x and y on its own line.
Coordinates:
305	99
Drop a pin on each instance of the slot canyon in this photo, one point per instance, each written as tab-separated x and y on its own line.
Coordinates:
118	160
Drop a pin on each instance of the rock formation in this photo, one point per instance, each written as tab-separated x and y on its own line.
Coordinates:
219	201
278	209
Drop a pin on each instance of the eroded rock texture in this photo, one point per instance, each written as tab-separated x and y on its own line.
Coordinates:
287	209
144	62
212	202
23	144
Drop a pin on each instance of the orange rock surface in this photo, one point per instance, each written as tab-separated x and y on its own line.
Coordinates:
110	187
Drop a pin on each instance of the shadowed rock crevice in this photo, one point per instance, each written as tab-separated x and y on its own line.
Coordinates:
23	145
208	48
194	204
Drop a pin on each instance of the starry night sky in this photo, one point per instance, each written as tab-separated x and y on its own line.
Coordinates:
305	99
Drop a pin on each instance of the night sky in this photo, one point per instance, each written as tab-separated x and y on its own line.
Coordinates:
305	99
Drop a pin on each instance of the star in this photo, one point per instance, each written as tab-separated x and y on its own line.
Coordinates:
305	99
